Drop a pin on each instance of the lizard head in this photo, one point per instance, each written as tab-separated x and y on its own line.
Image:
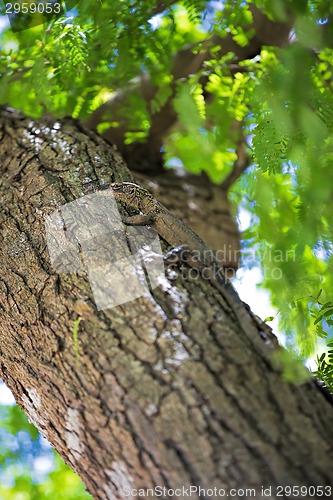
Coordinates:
127	192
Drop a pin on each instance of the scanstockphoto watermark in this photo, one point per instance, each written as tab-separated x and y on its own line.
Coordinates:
270	261
189	491
228	259
278	491
249	256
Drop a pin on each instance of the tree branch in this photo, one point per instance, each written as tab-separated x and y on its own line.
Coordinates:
240	165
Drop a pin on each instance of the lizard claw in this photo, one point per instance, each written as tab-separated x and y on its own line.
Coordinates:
177	254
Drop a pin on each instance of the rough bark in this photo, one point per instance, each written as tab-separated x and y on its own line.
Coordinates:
169	390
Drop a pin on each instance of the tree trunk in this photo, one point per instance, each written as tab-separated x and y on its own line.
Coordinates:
169	390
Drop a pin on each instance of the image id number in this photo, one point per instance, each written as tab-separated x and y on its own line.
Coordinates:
32	8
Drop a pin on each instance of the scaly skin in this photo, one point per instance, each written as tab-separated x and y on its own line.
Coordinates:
174	232
171	229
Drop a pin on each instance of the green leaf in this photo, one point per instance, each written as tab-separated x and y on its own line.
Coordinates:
76	339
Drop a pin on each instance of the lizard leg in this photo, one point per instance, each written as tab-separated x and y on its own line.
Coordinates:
138	220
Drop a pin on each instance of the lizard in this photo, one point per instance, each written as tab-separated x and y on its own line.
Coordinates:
154	214
180	236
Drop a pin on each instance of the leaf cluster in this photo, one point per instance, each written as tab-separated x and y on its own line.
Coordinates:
21	445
